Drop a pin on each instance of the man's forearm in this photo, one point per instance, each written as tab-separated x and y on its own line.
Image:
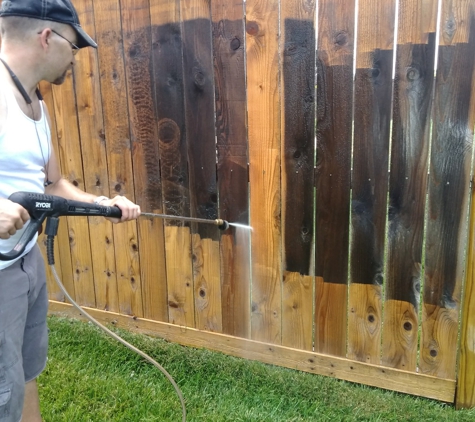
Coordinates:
65	189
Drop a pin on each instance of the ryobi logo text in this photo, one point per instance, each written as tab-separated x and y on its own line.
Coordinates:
43	205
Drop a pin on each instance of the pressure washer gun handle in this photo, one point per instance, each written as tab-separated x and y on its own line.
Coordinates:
86	209
32	228
40	206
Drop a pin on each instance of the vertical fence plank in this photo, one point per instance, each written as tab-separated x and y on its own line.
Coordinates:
334	115
298	151
232	170
170	108
145	154
62	252
72	168
453	122
465	391
413	87
113	90
199	111
372	117
263	105
181	305
96	179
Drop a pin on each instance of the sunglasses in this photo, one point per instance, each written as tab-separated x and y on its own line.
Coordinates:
74	47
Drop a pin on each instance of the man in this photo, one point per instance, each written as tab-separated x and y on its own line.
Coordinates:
39	39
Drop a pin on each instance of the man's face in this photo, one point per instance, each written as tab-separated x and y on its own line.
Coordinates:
64	44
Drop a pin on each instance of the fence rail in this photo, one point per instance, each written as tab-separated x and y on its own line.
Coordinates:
355	265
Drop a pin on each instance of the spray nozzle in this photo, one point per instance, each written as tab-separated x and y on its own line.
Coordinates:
222	224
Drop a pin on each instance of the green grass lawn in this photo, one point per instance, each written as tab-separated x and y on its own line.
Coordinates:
90	377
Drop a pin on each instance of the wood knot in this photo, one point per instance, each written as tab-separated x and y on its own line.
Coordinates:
290	49
252	28
235	43
134	51
341	38
450	27
374	72
168	132
199	78
412	74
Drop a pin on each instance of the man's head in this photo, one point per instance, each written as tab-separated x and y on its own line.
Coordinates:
58	11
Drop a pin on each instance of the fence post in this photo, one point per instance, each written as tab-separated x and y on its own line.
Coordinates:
465	391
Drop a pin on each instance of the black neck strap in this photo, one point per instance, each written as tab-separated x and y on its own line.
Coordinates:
18	84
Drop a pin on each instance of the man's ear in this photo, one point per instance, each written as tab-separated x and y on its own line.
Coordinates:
45	35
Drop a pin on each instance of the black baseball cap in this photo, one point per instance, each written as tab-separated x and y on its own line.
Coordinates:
61	11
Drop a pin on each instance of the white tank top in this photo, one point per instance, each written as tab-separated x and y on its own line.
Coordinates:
25	149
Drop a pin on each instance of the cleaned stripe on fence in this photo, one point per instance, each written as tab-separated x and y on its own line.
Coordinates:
136	28
199	111
117	139
62	252
168	84
70	150
93	150
232	163
263	105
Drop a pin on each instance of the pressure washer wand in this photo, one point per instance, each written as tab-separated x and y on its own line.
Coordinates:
222	224
42	206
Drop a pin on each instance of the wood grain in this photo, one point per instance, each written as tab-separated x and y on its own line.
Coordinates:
298	152
232	163
465	396
400	348
136	26
181	305
372	118
413	88
118	147
450	162
168	88
62	253
315	363
263	104
199	117
332	174
93	150
72	169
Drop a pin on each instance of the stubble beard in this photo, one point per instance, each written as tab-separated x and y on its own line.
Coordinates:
60	80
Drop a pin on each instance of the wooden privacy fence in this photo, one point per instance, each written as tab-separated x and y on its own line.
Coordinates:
355	265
